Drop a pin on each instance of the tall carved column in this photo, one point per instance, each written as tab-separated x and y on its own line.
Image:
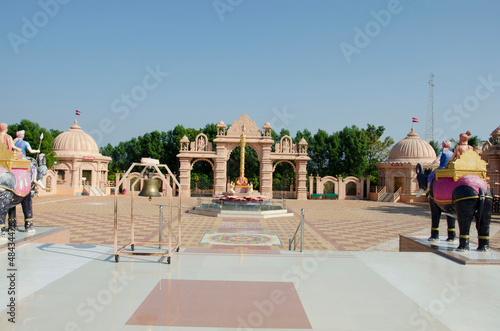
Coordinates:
368	188
75	181
220	170
311	185
301	179
185	176
362	188
341	188
266	171
319	185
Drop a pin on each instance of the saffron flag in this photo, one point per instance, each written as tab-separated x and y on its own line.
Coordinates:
414	120
78	113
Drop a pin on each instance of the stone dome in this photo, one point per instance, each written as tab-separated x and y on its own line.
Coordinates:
75	141
412	149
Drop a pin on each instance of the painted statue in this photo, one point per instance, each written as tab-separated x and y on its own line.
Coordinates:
461	194
7	139
463	145
23	145
443	157
231	188
250	187
18	179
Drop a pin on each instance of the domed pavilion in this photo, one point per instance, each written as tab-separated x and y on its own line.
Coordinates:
81	168
398	171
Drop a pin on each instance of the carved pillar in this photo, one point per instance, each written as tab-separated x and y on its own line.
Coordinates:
220	170
341	188
311	185
301	180
185	176
362	189
75	181
368	188
266	172
319	185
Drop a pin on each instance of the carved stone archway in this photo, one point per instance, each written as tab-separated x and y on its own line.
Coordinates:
260	141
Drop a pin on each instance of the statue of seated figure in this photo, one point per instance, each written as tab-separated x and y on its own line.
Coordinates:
469	163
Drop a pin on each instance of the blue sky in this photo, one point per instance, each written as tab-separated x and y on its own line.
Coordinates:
132	67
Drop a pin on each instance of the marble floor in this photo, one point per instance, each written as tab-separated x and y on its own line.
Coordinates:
81	287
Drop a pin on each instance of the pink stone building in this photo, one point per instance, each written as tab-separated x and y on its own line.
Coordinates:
81	169
397	176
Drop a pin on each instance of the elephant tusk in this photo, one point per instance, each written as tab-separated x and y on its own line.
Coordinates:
422	191
39	182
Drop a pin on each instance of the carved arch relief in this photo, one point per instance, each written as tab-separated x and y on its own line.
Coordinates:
286	146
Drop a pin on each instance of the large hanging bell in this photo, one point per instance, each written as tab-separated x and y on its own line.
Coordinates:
150	188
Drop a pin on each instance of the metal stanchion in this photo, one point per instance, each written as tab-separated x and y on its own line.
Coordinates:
302	232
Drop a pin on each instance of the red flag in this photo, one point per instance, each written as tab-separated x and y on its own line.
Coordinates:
78	113
414	120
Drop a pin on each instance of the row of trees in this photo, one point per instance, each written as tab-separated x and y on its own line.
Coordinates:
352	151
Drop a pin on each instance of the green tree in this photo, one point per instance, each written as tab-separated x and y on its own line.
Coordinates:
319	152
353	151
378	150
435	145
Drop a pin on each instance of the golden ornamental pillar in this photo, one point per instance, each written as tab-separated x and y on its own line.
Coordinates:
243	143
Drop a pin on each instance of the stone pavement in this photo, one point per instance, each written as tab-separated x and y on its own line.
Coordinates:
330	225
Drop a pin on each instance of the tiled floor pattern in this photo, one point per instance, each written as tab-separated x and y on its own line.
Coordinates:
330	225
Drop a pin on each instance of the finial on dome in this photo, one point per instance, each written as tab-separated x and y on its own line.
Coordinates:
412	133
75	126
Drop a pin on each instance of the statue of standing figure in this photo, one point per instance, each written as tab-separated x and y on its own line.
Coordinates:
250	188
23	145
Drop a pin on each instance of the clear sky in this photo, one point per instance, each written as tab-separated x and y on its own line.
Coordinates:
133	66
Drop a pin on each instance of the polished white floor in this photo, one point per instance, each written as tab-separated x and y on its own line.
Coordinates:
68	287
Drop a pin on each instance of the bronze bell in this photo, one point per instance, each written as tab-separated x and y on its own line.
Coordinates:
150	187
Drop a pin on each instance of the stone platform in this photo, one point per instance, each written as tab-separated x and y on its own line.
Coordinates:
448	250
43	234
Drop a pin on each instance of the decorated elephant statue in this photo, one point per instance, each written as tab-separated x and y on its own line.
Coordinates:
18	179
466	197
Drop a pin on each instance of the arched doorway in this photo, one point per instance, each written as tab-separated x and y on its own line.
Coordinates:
284	179
202	178
252	166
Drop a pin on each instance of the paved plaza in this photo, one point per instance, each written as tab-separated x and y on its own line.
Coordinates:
331	225
350	276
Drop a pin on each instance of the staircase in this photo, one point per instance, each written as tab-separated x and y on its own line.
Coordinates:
384	196
96	192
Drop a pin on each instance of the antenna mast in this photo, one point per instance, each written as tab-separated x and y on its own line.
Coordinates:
429	125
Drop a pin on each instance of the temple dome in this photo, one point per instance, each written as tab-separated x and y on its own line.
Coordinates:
75	141
412	149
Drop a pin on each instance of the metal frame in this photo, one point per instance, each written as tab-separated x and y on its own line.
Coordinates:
172	246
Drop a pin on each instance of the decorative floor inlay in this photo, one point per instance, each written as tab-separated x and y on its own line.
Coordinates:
245	305
247	239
